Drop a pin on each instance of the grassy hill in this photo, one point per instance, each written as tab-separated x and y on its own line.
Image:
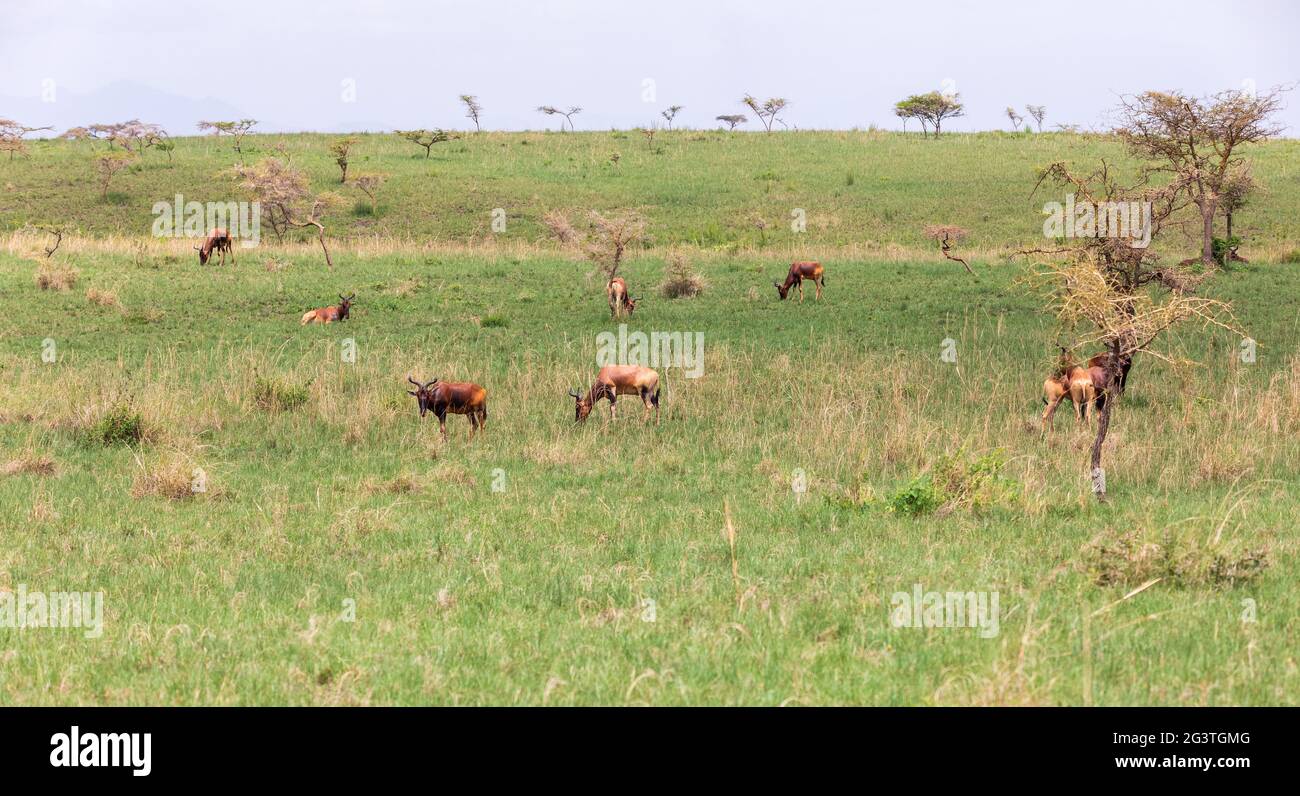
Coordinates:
270	521
873	191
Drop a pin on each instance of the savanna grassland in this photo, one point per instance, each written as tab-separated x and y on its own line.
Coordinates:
342	552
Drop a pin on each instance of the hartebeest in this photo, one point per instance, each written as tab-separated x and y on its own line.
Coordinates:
218	240
1125	364
620	300
799	271
1085	387
457	397
330	314
614	380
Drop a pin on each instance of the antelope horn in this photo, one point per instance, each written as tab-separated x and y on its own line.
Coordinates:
413	381
573	394
430	384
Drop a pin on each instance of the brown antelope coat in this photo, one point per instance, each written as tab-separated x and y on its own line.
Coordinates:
615	380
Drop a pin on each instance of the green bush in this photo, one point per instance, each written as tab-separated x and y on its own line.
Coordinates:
955	482
274	395
120	425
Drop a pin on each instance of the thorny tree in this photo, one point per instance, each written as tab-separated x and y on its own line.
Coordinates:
1107	292
930	110
670	114
606	240
341	148
551	110
236	130
107	165
472	109
1039	112
947	235
767	111
1197	142
286	198
11	137
1016	119
732	119
426	138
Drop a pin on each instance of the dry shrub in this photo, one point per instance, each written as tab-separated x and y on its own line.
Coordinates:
403	484
1197	552
404	288
55	276
680	279
103	298
173	476
29	463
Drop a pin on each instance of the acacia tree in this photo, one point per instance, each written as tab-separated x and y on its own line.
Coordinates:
1016	119
472	109
136	136
286	198
341	148
1039	112
426	138
1114	292
107	166
930	109
604	242
235	129
732	119
551	110
369	184
947	235
1196	141
1234	193
767	111
670	114
11	137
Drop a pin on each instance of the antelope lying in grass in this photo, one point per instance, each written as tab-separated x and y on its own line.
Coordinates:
218	240
614	380
799	271
619	300
330	314
457	397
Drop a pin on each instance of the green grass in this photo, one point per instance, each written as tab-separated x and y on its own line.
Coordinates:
871	190
534	593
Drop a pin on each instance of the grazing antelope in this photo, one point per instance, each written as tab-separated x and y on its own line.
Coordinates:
457	397
218	240
619	300
613	380
330	314
799	271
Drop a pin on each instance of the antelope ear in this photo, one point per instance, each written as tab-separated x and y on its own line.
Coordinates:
412	392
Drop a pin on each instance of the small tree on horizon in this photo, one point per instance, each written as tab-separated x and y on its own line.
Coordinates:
1039	112
670	114
426	138
767	111
551	110
472	109
11	137
930	109
235	129
1016	119
732	119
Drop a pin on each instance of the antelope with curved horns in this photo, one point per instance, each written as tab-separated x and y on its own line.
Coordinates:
619	299
799	271
330	314
218	240
615	380
457	397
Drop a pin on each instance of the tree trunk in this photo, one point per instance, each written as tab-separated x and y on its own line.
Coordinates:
1207	230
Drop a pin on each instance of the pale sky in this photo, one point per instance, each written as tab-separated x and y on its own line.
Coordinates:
841	64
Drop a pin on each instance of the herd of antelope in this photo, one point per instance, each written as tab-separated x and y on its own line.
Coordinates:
1086	386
